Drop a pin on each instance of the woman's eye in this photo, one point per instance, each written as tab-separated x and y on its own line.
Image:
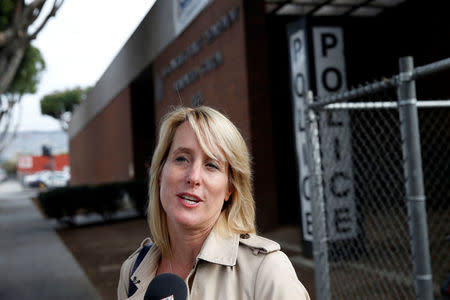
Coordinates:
180	158
212	165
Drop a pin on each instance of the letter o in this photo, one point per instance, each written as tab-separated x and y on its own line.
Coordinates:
325	79
299	85
306	188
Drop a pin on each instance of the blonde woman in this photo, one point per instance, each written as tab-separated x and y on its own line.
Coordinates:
202	217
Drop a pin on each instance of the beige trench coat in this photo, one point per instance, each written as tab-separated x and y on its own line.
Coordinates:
238	267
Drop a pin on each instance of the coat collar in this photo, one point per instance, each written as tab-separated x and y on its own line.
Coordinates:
216	249
219	249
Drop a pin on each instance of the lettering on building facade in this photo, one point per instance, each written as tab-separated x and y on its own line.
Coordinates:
213	32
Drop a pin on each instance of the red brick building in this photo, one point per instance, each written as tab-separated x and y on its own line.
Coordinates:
233	55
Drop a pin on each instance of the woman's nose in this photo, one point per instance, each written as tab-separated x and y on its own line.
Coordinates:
194	175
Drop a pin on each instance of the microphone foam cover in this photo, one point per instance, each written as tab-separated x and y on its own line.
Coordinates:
166	285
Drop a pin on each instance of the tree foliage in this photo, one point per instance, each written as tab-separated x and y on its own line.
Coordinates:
60	104
17	17
20	63
24	82
29	73
6	12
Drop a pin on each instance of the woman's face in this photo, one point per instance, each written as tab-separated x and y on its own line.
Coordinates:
193	186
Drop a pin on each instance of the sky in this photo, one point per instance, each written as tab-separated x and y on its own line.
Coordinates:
78	44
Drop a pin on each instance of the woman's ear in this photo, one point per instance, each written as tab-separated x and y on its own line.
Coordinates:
229	192
230	184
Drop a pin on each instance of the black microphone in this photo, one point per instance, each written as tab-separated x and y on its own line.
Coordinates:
166	286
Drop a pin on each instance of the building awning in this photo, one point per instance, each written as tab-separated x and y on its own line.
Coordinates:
354	8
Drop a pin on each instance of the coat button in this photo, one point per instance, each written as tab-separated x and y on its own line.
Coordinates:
245	236
135	280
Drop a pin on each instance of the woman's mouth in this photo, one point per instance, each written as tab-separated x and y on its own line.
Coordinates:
189	200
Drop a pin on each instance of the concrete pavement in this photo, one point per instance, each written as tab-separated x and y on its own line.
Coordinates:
34	262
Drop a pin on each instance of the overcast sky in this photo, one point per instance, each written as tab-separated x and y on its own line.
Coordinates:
78	45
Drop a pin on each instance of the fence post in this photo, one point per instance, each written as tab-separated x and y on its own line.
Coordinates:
320	246
415	195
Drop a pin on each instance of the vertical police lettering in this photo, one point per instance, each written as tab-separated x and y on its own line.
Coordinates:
337	148
332	121
299	87
331	79
334	128
305	188
309	223
329	41
342	220
299	83
336	186
305	153
297	48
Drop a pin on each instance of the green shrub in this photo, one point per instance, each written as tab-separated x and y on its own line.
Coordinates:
48	201
64	203
10	167
138	192
104	199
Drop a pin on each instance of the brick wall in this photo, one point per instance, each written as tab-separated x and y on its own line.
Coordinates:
102	151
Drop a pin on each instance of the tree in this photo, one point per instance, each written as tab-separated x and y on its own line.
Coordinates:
20	63
60	104
25	81
17	17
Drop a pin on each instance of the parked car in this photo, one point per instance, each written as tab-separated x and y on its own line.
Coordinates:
47	179
31	180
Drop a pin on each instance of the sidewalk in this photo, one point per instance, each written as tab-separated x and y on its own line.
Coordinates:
35	263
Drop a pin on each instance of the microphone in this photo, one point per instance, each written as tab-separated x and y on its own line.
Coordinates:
166	286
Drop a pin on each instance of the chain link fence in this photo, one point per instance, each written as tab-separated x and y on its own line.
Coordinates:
373	238
435	141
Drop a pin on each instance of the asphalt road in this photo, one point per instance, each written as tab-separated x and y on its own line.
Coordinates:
34	262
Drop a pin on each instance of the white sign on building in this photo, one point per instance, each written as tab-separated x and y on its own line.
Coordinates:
25	162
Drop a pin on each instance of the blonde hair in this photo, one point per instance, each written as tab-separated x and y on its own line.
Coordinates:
219	139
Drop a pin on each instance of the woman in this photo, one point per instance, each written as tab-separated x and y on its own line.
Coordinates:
201	215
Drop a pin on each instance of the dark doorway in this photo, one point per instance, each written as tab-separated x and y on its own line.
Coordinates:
282	119
143	122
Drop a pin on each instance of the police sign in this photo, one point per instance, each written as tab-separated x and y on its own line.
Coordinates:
328	67
335	135
300	85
